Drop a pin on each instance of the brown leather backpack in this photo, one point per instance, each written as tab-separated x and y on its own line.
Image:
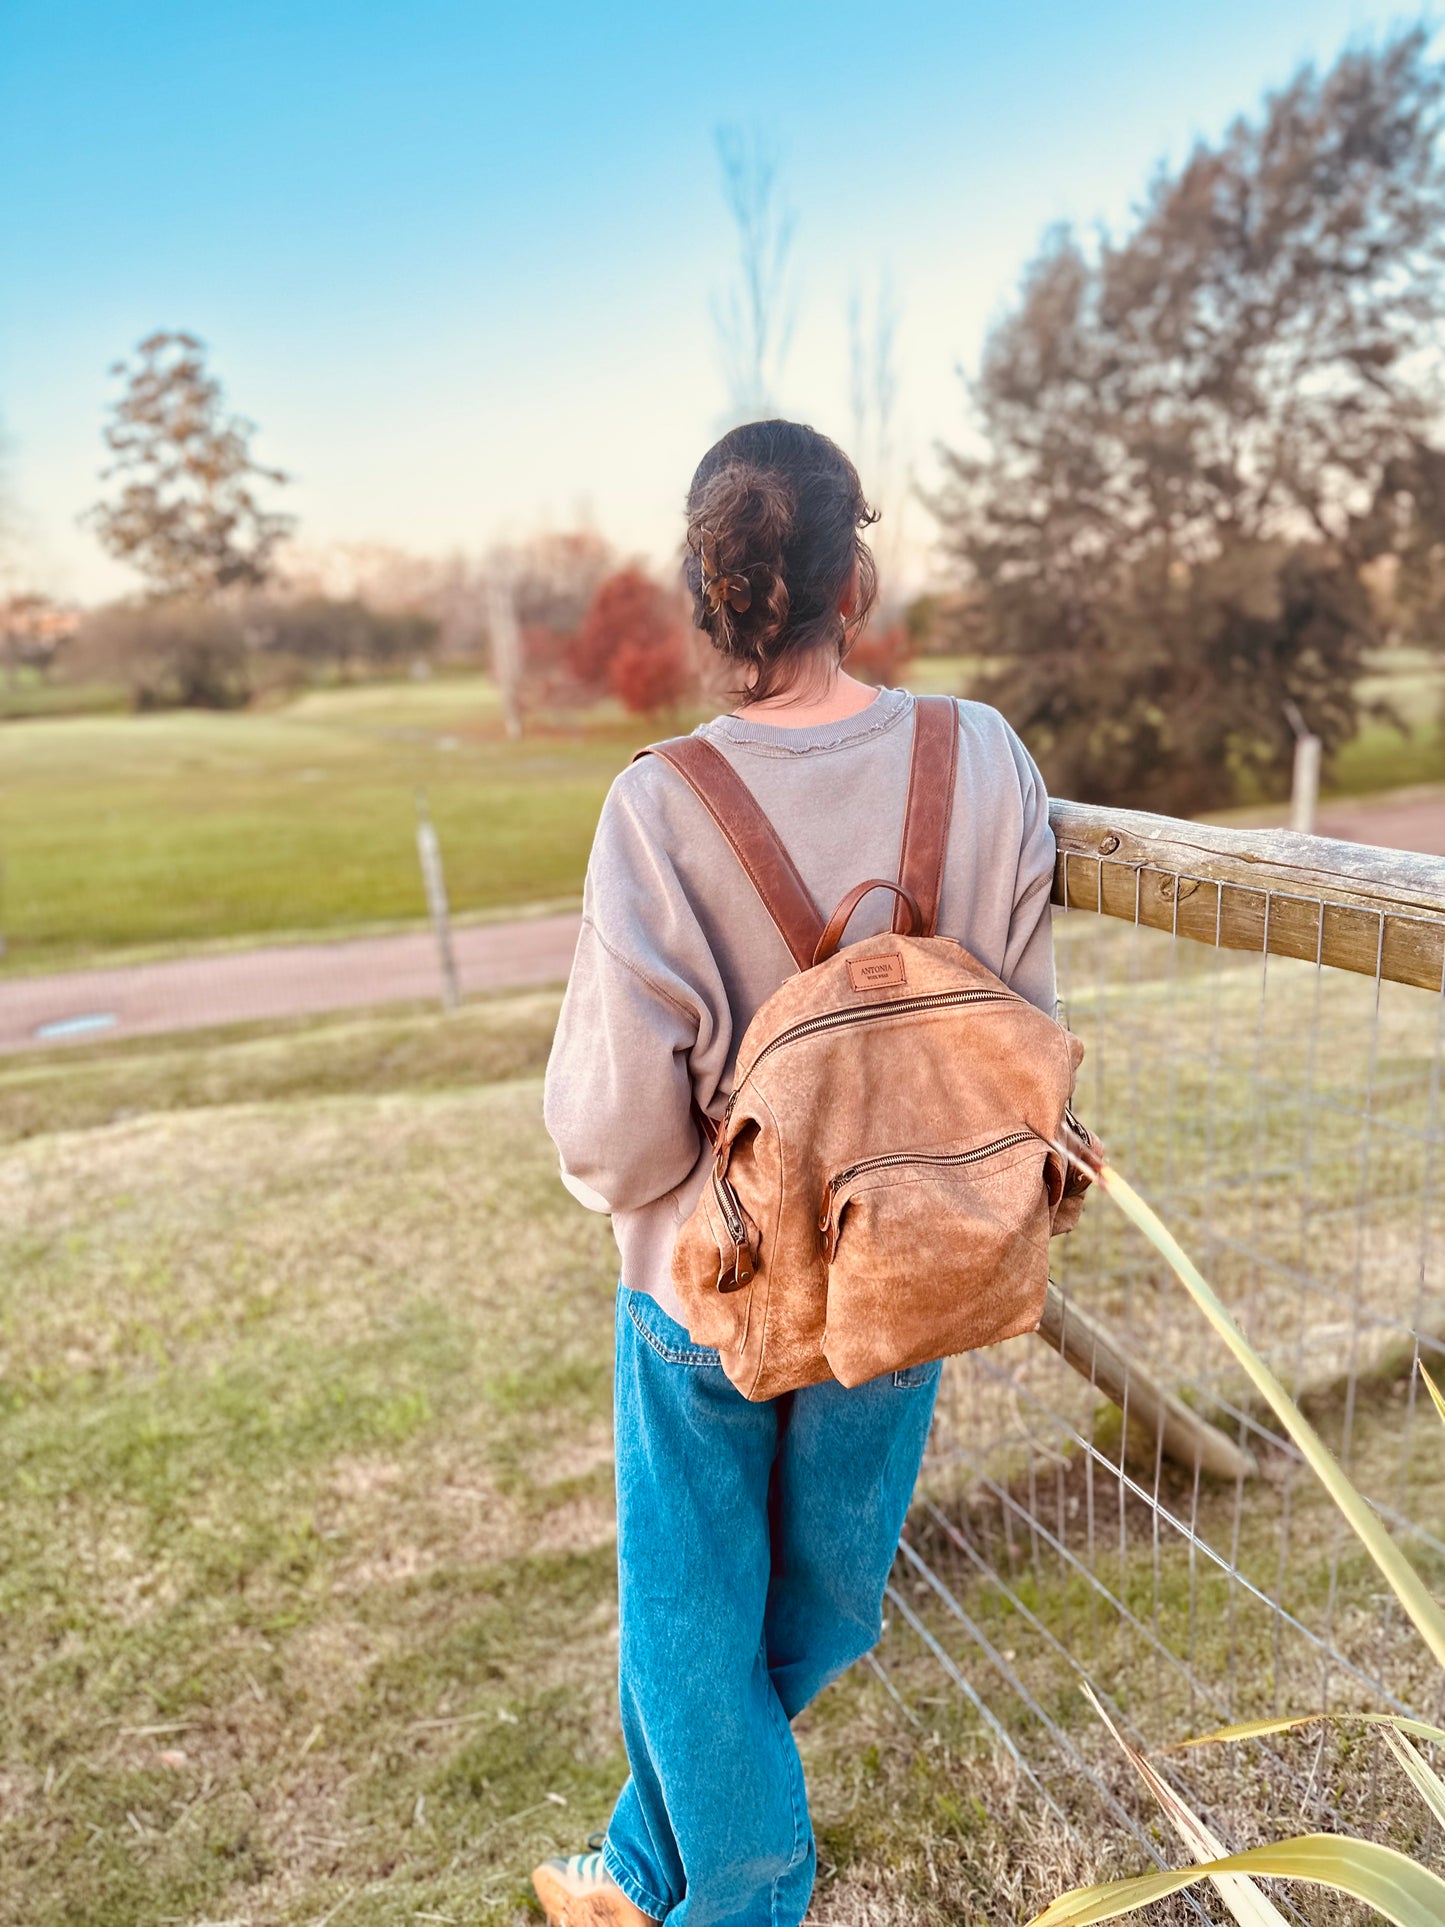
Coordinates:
884	1185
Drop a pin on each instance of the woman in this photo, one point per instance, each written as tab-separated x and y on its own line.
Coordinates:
754	1540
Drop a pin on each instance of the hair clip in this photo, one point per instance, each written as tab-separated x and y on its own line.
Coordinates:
734	590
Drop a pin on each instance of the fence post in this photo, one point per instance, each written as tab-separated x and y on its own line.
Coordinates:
1304	791
429	850
1182	1435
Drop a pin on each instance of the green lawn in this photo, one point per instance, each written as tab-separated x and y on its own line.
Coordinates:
29	694
147	832
141	834
1381	757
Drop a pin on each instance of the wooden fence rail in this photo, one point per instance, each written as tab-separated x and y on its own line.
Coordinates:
1351	905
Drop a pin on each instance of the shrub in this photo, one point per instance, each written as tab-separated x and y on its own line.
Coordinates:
880	656
170	654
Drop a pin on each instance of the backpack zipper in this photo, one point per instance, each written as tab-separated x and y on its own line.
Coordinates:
836	1183
837	1019
732	1277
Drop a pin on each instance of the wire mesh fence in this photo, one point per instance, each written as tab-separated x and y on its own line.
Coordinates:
1284	1113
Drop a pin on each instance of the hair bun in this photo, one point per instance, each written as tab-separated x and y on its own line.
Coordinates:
739	522
775	562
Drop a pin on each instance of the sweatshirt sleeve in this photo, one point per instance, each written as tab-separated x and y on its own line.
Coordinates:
1029	956
644	1004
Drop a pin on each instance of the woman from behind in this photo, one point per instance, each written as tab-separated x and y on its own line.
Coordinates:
754	1539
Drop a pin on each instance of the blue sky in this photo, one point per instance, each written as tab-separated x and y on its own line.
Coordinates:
457	260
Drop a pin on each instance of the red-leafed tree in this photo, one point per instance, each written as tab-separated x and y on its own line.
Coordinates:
646	677
627	607
631	643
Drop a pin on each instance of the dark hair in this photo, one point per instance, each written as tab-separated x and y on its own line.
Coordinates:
779	508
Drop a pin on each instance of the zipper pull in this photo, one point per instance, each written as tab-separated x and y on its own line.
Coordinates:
826	1237
738	1271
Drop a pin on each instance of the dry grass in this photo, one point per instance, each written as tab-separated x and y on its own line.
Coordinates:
308	1605
306	1479
395	1049
305	1463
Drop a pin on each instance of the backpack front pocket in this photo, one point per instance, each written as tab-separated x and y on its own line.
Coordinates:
934	1252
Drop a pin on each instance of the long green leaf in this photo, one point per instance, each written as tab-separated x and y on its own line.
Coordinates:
1244	1900
1434	1391
1400	1889
1426	1782
1405	1582
1256	1729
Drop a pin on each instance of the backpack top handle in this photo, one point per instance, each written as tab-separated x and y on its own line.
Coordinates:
838	922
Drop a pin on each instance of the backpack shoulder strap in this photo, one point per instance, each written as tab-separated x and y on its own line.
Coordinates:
754	841
932	774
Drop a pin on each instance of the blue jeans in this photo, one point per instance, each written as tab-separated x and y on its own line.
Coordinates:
754	1543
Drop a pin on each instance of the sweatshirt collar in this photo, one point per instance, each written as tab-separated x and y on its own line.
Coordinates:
888	707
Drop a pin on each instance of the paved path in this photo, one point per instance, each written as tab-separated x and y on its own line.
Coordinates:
281	980
291	980
1412	819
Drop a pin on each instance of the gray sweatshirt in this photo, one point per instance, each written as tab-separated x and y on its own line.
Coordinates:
677	953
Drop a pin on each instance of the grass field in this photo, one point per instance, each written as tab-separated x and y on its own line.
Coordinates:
308	1607
137	835
305	1489
151	832
29	694
1381	757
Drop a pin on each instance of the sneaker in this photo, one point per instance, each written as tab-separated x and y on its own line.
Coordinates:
579	1892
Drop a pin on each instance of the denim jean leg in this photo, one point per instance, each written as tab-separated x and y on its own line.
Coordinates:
846	1468
711	1828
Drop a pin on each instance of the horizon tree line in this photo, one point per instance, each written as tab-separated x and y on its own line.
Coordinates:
1211	482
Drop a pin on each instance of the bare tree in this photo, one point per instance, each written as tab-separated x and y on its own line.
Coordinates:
506	640
873	394
187	513
754	318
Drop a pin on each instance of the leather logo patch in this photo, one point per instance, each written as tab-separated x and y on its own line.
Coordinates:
876	973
